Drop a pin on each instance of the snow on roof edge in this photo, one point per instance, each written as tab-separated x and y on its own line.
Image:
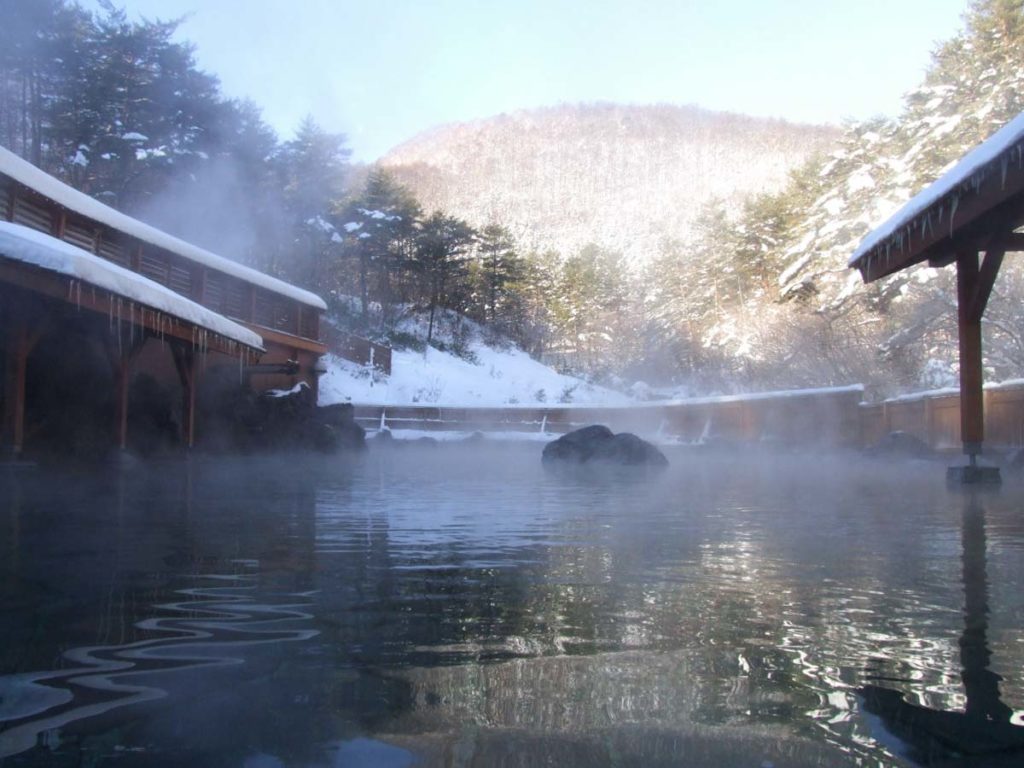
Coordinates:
47	252
985	153
25	173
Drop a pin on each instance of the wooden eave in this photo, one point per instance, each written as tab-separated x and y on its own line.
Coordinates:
135	246
84	297
272	336
983	209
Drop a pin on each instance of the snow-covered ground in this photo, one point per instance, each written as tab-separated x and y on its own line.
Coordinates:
498	377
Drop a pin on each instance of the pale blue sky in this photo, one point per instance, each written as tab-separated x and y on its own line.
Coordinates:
383	70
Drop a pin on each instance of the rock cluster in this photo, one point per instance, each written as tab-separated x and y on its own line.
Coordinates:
597	443
281	421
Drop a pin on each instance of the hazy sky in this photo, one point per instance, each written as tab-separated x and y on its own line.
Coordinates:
383	70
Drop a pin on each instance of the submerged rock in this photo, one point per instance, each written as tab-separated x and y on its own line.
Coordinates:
597	443
899	443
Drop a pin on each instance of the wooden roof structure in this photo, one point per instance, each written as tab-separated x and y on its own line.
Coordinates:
968	217
60	248
279	312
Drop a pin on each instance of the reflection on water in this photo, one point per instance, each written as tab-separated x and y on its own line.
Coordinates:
221	621
457	606
986	727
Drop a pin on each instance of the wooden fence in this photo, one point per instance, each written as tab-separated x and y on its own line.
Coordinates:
830	416
357	349
835	417
934	417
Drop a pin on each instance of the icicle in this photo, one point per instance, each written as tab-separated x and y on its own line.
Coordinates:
706	432
1005	164
952	212
382	412
544	424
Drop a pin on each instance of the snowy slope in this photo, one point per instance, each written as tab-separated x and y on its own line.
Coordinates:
433	377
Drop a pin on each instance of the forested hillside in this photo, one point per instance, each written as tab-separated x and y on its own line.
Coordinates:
624	178
767	297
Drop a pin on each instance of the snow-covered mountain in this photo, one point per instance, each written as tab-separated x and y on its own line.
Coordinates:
623	177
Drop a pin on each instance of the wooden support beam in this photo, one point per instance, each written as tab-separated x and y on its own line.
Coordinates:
1014	242
997	224
22	337
15	370
972	416
986	279
121	363
185	360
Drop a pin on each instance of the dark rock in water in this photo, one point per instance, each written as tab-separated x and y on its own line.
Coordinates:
901	444
279	420
600	444
341	421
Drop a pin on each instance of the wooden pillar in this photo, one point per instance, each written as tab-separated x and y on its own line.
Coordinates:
974	282
15	370
186	361
121	360
972	409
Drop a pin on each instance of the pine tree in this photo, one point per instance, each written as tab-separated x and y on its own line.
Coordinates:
442	250
379	229
312	169
501	269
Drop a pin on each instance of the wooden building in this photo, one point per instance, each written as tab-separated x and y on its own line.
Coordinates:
968	218
80	281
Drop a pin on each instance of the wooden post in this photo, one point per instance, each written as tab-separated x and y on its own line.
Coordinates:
16	369
972	415
185	359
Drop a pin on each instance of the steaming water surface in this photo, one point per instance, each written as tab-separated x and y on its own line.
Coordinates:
458	605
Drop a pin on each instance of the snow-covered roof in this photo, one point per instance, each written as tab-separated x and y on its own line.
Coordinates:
79	202
40	250
990	156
